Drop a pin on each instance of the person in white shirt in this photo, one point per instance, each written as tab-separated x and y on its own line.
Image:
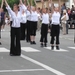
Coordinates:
28	14
23	21
23	25
15	46
33	25
55	29
44	27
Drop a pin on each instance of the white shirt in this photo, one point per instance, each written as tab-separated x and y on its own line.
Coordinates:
23	18
23	8
16	19
28	14
45	18
55	18
34	16
10	17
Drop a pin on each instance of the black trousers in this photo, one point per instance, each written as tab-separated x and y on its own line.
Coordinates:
28	30
44	32
23	29
15	47
33	28
55	31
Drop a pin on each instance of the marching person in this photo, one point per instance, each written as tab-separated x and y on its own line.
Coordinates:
28	13
23	22
44	27
55	29
33	25
15	48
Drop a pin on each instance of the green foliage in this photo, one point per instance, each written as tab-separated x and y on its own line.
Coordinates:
11	2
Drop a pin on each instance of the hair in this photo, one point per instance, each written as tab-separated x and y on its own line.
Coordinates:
16	5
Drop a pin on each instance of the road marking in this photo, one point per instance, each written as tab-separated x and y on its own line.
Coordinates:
61	50
42	65
22	70
66	38
4	50
72	47
29	49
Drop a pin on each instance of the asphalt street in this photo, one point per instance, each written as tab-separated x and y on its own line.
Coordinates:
36	60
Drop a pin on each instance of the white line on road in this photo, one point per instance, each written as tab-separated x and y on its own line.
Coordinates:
42	65
22	70
71	47
29	49
4	50
61	50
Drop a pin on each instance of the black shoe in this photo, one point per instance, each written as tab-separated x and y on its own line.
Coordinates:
57	47
31	42
41	44
45	45
0	43
14	54
52	47
34	42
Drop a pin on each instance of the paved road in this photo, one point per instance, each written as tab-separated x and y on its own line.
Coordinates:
36	60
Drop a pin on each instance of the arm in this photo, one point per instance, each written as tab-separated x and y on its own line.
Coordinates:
49	1
28	3
25	2
8	8
42	4
52	6
63	17
59	6
2	3
35	4
22	6
21	2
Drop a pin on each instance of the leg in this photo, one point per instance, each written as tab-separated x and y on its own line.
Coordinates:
52	42
12	45
57	42
21	31
45	35
24	27
18	46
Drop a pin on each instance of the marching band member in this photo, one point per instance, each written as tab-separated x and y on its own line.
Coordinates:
55	29
28	22
23	21
44	27
15	48
33	25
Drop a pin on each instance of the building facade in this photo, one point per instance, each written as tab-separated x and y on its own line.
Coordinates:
68	3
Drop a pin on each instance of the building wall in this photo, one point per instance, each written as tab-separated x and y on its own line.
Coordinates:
69	3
